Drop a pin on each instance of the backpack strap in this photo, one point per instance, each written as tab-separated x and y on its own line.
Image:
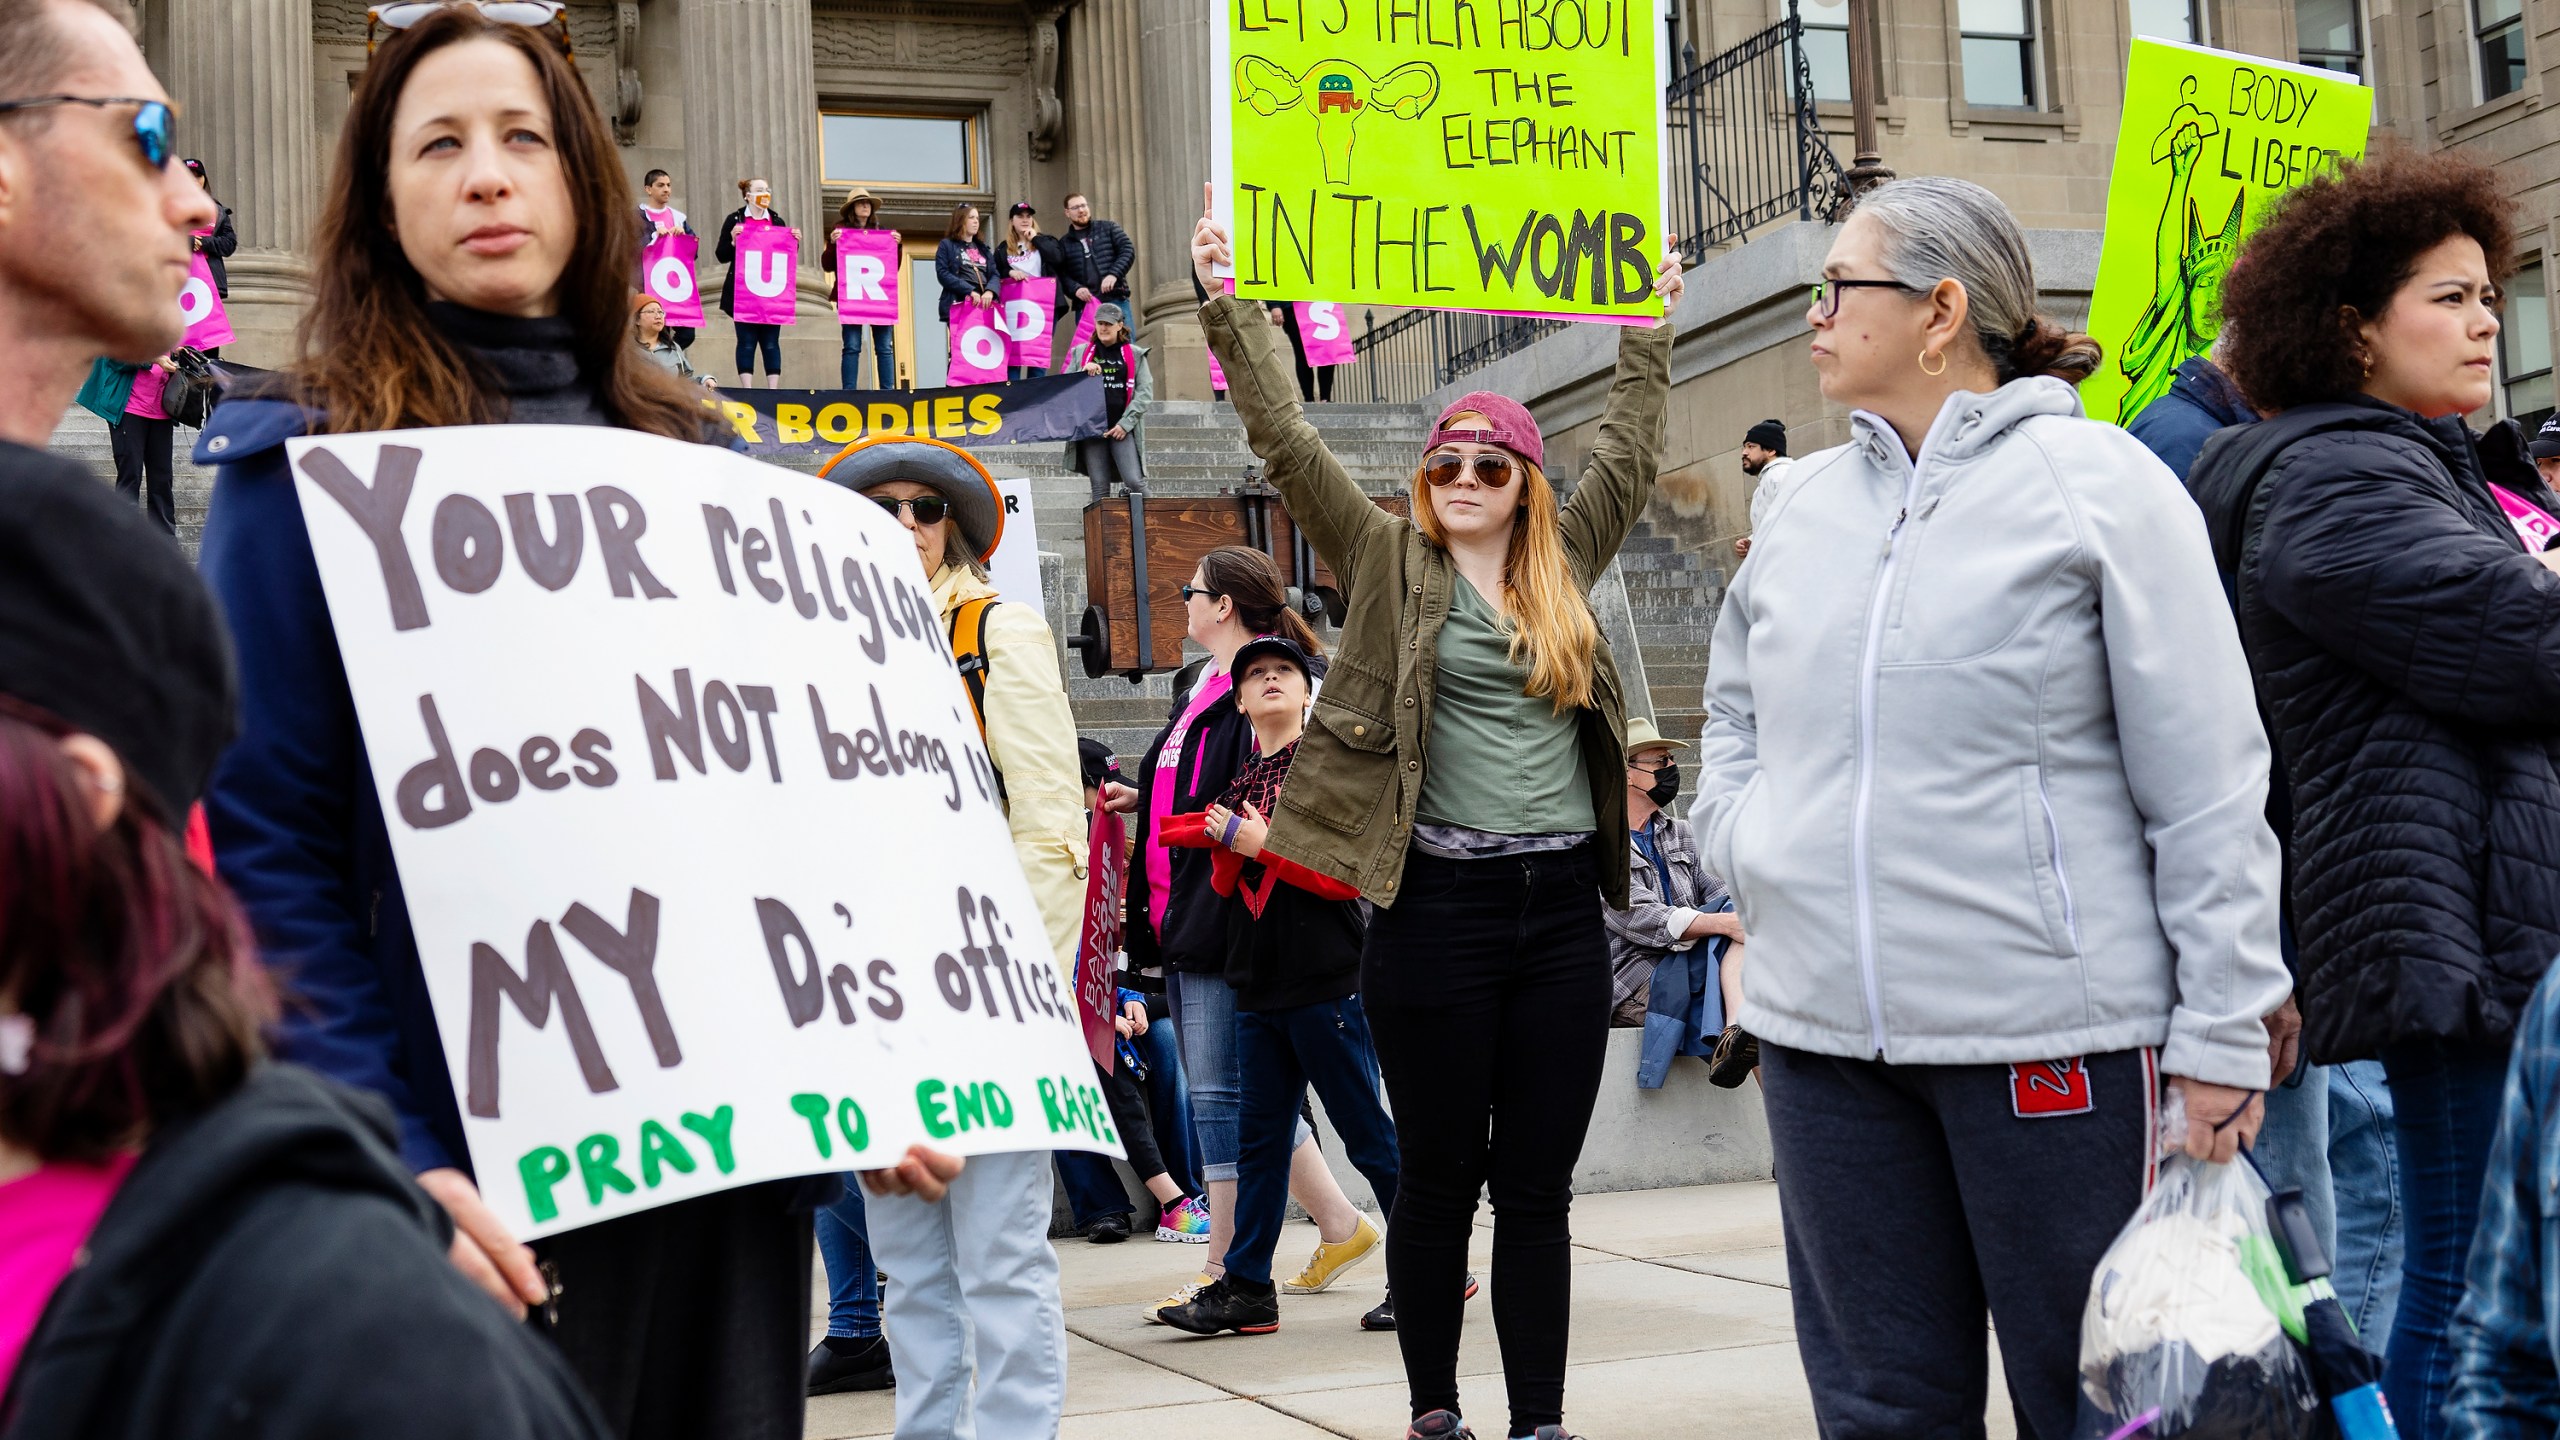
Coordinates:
969	652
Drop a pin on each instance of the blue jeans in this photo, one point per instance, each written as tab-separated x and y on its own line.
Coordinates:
2445	1101
1204	1012
853	1278
1092	1185
2367	1257
2292	1151
1684	1009
1280	1052
884	349
752	338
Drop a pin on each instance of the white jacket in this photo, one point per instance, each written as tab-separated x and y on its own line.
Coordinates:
1773	479
1982	762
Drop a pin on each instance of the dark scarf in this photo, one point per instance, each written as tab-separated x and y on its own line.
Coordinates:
534	363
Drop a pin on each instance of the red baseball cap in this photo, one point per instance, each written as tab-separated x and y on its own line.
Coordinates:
1507	423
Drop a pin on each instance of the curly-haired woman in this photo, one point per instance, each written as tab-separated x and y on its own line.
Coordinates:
2405	633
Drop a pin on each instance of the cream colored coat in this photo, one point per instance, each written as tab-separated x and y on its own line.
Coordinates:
1031	736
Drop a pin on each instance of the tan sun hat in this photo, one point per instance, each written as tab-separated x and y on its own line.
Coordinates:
1642	736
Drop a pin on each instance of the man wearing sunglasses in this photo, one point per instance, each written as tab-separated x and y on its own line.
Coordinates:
95	213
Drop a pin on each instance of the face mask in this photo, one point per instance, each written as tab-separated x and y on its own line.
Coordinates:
1666	784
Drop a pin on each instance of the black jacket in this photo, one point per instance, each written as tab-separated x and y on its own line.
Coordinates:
1095	250
726	252
1195	917
269	1270
217	249
1301	950
2407	655
1053	265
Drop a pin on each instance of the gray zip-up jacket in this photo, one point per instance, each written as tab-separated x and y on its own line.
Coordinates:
1982	763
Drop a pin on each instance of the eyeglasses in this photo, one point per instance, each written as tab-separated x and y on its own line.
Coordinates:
1826	293
928	509
154	127
1194	592
1654	767
1492	468
532	14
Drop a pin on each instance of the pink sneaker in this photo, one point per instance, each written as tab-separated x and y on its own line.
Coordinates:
1184	1222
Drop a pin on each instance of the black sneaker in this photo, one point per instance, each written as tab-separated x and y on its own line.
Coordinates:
1227	1304
838	1364
1737	1055
1439	1425
1384	1316
1108	1230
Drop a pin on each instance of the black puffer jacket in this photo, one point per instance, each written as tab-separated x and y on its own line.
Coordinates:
2407	654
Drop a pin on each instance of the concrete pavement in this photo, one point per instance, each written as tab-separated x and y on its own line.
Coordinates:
1681	1327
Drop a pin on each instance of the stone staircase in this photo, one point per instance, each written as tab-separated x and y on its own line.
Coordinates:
1674	595
84	438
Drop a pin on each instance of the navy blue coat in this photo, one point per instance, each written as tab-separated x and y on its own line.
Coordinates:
2199	402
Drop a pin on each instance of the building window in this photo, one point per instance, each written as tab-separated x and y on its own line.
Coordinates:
2331	35
2498	29
859	148
1826	46
2000	51
2524	345
2168	20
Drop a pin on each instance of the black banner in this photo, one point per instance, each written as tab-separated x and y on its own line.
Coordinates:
789	423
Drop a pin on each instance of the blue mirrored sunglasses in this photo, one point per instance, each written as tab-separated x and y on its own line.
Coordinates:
154	128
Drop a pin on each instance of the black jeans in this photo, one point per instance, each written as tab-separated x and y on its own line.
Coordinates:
1487	989
1917	1195
142	449
754	339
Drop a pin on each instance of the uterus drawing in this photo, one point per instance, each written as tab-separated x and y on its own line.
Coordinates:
1338	94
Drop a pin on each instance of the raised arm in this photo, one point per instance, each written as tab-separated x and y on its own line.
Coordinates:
1619	478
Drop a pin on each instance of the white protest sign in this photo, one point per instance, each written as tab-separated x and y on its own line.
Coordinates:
1015	567
709	875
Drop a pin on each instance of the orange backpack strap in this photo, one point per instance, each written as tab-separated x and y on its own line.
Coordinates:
969	652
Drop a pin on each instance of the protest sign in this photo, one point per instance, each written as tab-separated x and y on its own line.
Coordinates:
1030	307
1080	348
768	268
1442	153
208	323
776	423
2208	142
1324	333
708	868
1015	567
866	277
666	271
1098	954
977	344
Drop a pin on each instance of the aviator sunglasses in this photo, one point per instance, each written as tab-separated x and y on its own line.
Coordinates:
542	15
153	125
928	509
1493	468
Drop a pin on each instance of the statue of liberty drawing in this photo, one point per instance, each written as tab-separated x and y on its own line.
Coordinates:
2186	301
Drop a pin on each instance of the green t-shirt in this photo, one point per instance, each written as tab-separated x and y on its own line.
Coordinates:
1500	760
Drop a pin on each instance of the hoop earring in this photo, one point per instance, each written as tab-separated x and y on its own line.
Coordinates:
1924	365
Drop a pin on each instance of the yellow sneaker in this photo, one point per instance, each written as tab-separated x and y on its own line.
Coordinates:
1181	1295
1330	1260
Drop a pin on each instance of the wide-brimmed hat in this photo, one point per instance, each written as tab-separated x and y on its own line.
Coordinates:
1642	736
945	468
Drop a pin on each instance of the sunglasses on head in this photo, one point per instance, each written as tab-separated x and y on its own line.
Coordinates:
928	509
1493	468
532	14
153	126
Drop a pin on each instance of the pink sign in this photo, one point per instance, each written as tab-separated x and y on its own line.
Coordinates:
1097	983
1217	376
1080	346
2533	525
666	273
1324	333
1030	312
208	324
767	270
978	344
866	277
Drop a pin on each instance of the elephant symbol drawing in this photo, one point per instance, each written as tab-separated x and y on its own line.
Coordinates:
1338	93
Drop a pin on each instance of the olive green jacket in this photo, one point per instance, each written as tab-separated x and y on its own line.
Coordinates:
1348	809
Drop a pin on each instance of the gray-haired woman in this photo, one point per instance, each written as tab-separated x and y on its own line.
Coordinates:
1984	772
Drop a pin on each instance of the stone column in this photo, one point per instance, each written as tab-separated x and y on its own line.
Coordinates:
1173	59
241	73
751	109
1107	110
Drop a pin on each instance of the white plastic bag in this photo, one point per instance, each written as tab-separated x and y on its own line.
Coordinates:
2185	1333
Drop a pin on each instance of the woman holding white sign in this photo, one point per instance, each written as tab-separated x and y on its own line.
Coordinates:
502	296
974	1282
1460	765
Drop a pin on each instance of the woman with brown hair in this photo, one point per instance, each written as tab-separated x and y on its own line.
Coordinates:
2403	618
961	263
1462	769
500	296
192	1240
